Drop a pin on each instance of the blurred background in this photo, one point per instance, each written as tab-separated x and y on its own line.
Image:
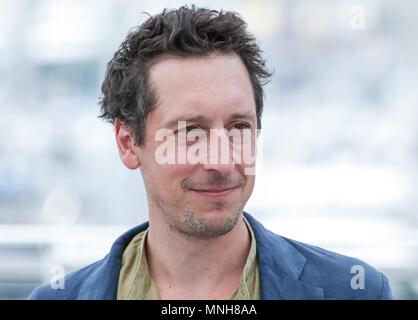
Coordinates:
340	135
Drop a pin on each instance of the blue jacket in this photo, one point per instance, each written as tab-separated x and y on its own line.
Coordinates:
288	270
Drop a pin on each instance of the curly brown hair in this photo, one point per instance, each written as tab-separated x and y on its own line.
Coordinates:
187	31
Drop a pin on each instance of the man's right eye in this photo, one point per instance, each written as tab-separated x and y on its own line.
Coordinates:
187	129
191	128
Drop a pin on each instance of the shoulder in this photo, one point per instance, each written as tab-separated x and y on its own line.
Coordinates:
97	281
341	276
72	285
338	276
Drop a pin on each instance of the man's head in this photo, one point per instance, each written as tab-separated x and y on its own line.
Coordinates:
193	65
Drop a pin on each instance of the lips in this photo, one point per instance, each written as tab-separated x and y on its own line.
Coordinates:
215	194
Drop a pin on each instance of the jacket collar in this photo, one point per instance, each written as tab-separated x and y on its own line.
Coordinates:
105	279
280	266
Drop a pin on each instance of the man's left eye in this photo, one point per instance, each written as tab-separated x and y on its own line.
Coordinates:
241	126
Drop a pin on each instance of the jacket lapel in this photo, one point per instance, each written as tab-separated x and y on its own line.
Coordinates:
280	266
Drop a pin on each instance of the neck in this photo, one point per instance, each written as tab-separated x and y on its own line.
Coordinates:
196	265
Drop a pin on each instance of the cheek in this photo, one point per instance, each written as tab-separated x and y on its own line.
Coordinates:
162	179
250	181
167	178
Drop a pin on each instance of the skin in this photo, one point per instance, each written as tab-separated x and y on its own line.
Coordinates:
197	243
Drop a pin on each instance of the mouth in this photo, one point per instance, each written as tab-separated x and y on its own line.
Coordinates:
215	194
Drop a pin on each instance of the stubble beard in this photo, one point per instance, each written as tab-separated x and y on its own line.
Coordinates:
193	225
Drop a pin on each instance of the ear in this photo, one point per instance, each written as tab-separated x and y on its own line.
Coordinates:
126	146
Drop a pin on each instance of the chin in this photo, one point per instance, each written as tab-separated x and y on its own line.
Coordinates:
219	212
210	223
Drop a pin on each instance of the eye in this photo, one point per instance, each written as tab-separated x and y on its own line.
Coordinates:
242	125
188	129
191	128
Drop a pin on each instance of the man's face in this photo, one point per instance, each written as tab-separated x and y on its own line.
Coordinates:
201	199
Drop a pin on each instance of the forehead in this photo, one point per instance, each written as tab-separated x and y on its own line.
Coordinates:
213	85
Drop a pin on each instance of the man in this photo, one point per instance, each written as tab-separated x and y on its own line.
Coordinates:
198	72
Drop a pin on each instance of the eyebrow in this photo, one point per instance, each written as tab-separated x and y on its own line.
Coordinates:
196	118
244	115
201	118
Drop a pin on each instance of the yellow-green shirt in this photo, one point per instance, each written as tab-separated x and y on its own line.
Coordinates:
136	283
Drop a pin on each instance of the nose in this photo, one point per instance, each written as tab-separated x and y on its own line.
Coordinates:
220	153
224	169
